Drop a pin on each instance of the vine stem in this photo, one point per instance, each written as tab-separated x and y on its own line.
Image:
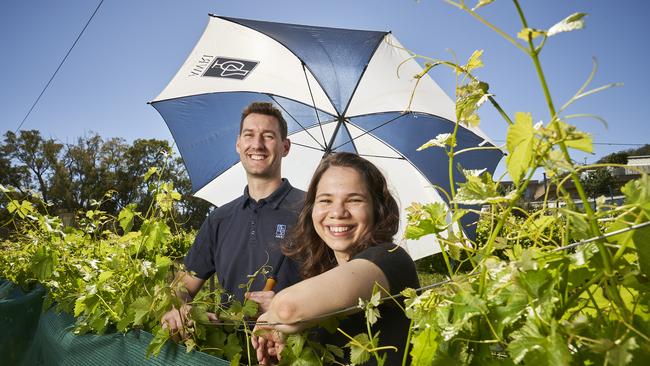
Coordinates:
604	252
478	148
461	69
408	343
488	24
520	191
534	54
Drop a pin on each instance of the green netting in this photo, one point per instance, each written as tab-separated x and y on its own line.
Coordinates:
19	315
31	338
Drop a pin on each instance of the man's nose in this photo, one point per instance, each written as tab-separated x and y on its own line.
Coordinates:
258	141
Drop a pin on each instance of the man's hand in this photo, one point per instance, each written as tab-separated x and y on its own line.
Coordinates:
263	298
176	320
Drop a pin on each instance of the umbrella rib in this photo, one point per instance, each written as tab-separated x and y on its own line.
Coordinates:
299	124
382	156
311	94
307	146
367	132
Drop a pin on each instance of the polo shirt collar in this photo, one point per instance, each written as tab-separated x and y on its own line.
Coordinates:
274	199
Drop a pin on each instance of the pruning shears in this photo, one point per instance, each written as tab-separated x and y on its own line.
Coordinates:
273	278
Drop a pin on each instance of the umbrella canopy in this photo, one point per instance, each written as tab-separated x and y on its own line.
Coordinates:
339	90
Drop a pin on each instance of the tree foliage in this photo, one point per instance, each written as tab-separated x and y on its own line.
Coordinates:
70	177
598	182
620	157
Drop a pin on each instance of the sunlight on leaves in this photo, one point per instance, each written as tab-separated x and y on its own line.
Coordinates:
519	142
573	22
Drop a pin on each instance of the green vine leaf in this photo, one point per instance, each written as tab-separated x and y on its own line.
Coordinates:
474	61
442	140
479	188
334	350
530	33
359	349
140	308
520	144
44	262
79	306
235	360
468	99
424	347
155	233
573	22
167	196
296	342
232	347
621	354
641	239
126	216
637	192
425	219
23	208
575	139
161	335
531	345
150	172
370	307
482	3
250	308
467	306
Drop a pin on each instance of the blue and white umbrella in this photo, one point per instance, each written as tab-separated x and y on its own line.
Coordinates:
340	90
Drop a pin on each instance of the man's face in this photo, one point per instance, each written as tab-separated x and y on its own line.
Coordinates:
260	146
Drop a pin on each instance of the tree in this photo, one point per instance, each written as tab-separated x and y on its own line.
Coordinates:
13	176
81	175
31	151
74	176
598	182
620	157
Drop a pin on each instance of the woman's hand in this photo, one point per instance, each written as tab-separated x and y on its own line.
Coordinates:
268	342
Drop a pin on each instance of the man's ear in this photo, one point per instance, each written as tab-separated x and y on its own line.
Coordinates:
287	147
237	145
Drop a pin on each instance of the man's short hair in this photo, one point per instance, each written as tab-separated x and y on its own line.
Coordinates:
268	109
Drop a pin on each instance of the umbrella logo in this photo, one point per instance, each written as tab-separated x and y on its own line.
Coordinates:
230	68
280	231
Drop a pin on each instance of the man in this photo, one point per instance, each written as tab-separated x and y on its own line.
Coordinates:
238	238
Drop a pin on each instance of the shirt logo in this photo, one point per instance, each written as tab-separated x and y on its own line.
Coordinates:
280	231
230	68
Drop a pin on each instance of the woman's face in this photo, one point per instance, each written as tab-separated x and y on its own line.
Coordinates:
343	210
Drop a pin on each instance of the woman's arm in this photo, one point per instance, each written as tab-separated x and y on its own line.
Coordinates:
336	289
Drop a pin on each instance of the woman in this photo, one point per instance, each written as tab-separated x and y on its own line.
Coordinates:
343	239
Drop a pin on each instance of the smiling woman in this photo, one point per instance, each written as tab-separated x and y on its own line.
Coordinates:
343	239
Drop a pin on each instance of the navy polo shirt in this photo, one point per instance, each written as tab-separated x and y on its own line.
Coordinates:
240	237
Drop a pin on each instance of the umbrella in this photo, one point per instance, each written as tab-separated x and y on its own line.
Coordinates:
339	90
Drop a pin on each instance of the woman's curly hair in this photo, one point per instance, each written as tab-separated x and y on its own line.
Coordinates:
306	247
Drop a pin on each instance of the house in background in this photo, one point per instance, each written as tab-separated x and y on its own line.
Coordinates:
638	164
537	189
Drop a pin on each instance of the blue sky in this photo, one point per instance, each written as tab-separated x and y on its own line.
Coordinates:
132	48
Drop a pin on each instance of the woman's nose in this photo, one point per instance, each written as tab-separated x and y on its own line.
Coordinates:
338	210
